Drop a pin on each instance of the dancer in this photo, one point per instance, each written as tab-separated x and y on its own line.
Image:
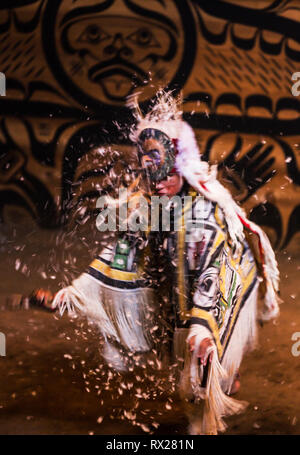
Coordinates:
213	272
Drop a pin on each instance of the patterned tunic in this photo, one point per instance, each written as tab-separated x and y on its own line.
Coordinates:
210	280
213	279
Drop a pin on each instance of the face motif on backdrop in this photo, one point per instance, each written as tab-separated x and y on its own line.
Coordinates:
157	153
106	49
118	53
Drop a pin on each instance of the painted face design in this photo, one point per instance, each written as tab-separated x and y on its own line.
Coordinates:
157	153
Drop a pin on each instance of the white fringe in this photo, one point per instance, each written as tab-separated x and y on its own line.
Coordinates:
271	301
123	315
212	404
243	339
114	357
217	404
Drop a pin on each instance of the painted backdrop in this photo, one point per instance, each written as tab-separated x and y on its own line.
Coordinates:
70	64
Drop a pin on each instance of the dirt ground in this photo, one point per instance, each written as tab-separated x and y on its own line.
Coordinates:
53	380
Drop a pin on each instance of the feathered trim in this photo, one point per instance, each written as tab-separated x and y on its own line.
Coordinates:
164	114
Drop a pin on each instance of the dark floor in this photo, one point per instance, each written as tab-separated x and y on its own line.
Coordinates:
54	382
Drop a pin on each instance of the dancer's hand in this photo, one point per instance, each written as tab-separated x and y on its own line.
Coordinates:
204	345
43	295
43	298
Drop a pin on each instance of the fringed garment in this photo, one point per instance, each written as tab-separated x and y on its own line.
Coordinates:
213	290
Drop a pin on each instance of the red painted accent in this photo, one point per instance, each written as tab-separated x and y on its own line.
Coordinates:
203	186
